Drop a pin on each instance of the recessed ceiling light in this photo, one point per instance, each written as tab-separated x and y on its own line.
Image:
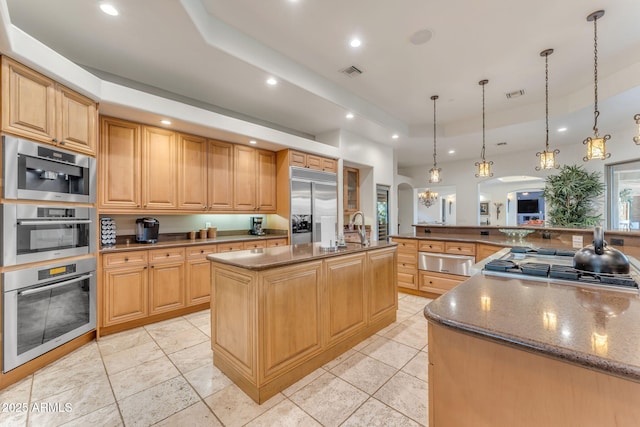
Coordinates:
165	122
253	141
395	136
562	129
421	36
272	81
349	116
452	151
109	9
355	42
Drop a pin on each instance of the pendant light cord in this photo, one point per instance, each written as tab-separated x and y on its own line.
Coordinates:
546	98
596	113
435	164
483	149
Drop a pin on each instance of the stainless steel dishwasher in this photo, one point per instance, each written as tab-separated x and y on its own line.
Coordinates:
446	263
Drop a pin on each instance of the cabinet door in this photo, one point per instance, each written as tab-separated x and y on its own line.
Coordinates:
166	287
192	172
266	181
244	195
77	124
198	276
298	159
220	176
314	162
351	190
382	279
345	296
120	163
329	165
125	296
28	103
271	243
159	168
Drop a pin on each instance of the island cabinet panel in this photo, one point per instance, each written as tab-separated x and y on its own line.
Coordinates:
345	294
381	276
234	323
291	321
220	176
120	164
192	172
125	294
477	382
483	251
159	169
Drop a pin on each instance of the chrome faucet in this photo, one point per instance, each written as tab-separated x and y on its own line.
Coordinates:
362	232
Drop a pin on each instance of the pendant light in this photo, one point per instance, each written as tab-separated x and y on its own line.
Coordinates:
547	157
596	146
434	172
484	167
636	139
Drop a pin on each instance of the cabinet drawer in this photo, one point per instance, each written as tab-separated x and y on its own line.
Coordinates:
411	260
200	252
228	247
459	248
437	284
407	245
124	259
276	242
431	246
407	277
255	245
166	255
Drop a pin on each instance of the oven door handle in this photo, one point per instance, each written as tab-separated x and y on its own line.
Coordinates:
55	285
53	222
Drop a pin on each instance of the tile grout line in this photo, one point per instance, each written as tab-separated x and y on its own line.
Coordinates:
104	365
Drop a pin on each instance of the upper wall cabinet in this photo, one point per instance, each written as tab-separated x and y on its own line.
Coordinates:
37	108
311	161
351	190
159	168
255	179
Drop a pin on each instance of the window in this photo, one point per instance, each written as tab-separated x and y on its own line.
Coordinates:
623	195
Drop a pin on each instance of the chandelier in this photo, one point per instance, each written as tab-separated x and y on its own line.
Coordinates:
434	172
428	197
547	157
484	167
596	146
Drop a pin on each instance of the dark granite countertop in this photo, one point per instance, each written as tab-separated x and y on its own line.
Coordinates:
498	239
594	328
187	242
263	259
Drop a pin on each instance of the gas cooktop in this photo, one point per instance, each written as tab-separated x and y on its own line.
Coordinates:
557	264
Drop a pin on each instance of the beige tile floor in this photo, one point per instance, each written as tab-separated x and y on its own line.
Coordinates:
163	374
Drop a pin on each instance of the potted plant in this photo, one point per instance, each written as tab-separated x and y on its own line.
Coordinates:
571	195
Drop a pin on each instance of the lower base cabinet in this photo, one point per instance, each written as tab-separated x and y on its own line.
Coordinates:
438	283
125	295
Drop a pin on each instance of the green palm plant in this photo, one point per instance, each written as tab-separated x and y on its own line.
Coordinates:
571	196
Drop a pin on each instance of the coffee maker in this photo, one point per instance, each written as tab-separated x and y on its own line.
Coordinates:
256	226
147	230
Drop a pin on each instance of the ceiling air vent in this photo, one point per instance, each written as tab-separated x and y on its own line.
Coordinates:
351	71
515	94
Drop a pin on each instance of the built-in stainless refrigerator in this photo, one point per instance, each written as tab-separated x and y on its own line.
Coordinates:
314	195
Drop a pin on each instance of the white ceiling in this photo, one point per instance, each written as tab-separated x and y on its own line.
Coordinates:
220	52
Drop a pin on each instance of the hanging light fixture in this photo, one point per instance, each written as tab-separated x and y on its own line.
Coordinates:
596	146
428	197
484	167
547	157
434	172
636	139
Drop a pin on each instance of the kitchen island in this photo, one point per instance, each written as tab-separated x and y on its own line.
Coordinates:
279	313
506	351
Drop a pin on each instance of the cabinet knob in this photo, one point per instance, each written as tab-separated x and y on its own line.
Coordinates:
205	208
403	264
430	246
202	251
168	254
430	282
153	266
144	268
62	142
145	205
126	260
55	140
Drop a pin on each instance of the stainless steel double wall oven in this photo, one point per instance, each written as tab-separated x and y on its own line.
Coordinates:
45	306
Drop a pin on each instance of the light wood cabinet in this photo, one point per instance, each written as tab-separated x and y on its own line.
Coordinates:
276	242
38	108
159	168
254	179
381	277
255	244
351	190
192	172
166	280
230	246
198	274
431	246
311	161
438	283
460	248
125	288
220	186
407	263
483	251
120	164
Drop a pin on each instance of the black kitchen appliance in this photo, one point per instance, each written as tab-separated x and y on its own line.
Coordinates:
256	226
147	230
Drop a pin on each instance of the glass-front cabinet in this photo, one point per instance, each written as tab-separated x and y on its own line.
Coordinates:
351	190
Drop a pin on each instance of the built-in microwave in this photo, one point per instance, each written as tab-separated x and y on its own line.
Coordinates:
35	171
40	233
